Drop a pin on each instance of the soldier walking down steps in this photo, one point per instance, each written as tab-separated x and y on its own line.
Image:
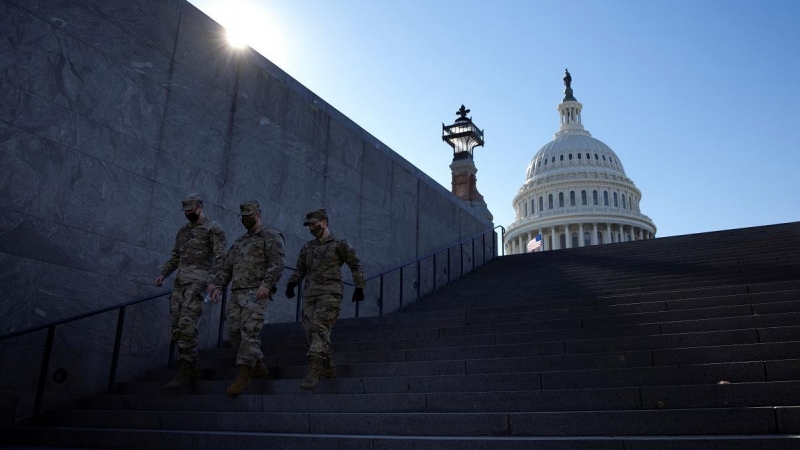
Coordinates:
254	264
320	263
199	249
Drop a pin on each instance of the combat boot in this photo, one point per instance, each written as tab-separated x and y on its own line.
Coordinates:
311	380
328	368
242	381
260	370
187	373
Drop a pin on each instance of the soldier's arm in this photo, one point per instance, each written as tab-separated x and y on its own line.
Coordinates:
352	261
300	268
275	262
172	263
224	274
218	244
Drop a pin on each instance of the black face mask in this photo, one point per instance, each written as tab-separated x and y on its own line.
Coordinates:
192	217
249	222
317	231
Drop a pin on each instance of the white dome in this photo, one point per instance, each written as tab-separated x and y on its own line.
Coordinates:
572	151
576	192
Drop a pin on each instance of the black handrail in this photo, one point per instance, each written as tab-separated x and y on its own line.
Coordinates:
51	326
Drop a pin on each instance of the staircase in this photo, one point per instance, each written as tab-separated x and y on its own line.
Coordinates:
689	342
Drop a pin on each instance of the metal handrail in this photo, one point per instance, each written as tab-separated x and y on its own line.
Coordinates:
51	326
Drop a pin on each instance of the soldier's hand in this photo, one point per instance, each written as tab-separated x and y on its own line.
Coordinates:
216	295
160	281
290	290
262	293
358	294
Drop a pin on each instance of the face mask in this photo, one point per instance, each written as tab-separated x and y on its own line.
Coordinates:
249	222
317	231
192	217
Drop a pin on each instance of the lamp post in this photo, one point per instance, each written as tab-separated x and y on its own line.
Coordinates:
463	136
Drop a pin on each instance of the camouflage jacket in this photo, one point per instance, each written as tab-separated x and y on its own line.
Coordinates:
320	264
255	258
199	248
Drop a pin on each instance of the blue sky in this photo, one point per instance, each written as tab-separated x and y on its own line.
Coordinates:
699	99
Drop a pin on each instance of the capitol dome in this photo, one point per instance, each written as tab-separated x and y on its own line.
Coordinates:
576	192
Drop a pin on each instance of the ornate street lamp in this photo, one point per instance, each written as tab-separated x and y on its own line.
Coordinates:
464	136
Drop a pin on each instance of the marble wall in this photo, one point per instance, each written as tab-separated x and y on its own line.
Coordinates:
110	112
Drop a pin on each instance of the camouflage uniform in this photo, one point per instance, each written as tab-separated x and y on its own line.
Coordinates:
320	264
198	247
255	259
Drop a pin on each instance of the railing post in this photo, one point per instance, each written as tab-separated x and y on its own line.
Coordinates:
419	279
400	307
483	247
473	254
380	299
434	273
358	309
461	270
45	367
223	307
299	302
112	376
448	264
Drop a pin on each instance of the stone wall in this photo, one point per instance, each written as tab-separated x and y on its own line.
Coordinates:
110	112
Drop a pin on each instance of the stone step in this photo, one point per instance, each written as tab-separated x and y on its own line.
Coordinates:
75	437
532	400
721	421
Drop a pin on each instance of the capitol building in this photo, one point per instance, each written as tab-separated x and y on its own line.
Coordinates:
576	192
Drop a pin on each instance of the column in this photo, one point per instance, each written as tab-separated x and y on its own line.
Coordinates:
607	237
580	234
641	237
568	234
554	236
594	233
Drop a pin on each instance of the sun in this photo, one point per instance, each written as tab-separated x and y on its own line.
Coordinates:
249	23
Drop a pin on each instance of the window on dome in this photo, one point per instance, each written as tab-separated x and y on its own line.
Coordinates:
587	239
579	156
545	161
570	156
583	198
604	157
605	198
526	209
541	204
588	156
560	199
574	240
599	237
561	157
623	202
550	201
563	240
616	203
553	159
533	206
594	198
595	156
571	198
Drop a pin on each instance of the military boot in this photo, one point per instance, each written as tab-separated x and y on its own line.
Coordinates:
260	370
242	381
187	373
312	378
328	368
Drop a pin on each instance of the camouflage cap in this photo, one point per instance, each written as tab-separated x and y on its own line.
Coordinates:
249	208
316	216
191	202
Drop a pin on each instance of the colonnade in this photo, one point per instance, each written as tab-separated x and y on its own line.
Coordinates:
577	235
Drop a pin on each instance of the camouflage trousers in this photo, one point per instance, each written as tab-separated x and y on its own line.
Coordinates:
245	319
320	312
186	306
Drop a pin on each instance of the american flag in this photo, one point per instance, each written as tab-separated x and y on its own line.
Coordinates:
535	244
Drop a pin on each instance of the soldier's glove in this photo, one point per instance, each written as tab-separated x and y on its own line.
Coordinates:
290	290
358	294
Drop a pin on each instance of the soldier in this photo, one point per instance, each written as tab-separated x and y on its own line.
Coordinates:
254	265
320	263
199	245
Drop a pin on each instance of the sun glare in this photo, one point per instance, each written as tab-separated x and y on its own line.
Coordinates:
247	23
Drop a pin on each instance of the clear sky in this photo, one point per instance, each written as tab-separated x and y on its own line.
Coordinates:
699	99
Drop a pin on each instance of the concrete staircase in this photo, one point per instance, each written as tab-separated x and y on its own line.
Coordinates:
689	342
